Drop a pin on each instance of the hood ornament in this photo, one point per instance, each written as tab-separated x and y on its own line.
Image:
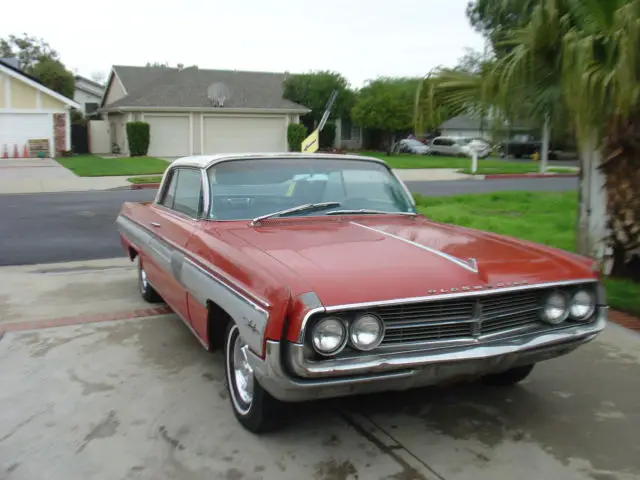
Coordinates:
473	263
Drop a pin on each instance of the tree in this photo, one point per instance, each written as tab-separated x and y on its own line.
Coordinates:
312	90
27	49
54	75
495	19
471	61
38	59
386	104
99	77
584	57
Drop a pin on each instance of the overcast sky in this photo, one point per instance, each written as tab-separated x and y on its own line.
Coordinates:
362	39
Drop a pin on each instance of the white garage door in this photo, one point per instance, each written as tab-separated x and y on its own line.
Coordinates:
169	135
244	134
19	128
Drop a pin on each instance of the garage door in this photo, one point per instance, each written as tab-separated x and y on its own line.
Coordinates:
169	135
19	128
244	134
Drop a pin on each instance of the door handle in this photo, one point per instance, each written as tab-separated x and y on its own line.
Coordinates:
155	224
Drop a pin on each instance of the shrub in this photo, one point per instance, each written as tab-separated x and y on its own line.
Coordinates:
296	133
138	135
328	136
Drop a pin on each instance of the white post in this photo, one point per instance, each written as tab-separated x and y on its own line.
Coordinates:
474	161
546	136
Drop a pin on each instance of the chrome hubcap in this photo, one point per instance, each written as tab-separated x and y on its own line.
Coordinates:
143	280
242	372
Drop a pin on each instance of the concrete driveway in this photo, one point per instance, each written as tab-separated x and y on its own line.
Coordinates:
140	399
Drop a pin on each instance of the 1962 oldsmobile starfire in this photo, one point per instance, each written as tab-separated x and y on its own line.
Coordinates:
319	279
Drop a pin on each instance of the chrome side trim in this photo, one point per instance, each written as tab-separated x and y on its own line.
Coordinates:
204	285
211	270
469	265
435	298
479	349
135	233
249	316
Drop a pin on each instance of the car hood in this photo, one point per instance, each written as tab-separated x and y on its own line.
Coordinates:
369	259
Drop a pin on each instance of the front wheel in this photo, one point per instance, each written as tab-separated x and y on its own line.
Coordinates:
509	377
146	290
252	405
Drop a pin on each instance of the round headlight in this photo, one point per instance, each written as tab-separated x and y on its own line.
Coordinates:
329	336
554	310
366	332
582	305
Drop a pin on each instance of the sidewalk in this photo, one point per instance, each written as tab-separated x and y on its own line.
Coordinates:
430	174
35	175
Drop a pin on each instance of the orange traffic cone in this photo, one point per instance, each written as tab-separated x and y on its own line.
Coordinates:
15	151
25	152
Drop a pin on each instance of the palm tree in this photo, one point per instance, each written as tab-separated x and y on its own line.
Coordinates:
601	81
579	58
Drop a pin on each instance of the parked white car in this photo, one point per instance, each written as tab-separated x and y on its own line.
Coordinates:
459	147
411	145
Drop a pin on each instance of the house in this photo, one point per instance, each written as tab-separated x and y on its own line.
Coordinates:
348	134
31	111
88	94
196	111
476	127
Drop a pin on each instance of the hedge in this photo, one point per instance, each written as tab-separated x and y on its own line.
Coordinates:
138	134
296	133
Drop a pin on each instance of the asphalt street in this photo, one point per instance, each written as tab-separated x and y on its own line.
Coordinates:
62	227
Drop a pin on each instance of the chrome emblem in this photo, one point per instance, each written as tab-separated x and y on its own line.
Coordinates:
467	288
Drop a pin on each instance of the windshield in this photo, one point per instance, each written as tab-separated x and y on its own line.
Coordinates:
249	188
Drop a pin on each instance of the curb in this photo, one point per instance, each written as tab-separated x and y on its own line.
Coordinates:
143	186
528	175
625	320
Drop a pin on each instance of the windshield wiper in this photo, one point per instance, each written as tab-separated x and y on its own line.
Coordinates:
300	208
368	211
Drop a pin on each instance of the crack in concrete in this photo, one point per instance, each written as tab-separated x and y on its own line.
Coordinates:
408	472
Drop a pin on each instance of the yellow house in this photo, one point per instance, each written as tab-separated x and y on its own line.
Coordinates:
31	111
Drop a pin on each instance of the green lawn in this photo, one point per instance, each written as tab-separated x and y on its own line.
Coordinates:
484	166
94	166
150	179
542	217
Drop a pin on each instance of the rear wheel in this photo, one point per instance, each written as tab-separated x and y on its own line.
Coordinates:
146	290
509	377
252	405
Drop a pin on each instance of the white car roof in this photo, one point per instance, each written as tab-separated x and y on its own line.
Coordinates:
205	161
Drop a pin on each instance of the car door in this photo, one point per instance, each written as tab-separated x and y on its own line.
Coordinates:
448	147
178	213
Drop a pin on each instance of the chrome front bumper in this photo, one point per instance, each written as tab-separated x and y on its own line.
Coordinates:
288	376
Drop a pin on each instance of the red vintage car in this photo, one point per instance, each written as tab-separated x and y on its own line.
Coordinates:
318	278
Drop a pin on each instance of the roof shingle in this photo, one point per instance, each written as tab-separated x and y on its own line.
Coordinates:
187	88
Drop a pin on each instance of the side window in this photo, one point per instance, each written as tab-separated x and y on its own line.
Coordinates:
437	141
188	193
170	192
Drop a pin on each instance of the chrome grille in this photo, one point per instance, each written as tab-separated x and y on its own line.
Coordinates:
459	319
